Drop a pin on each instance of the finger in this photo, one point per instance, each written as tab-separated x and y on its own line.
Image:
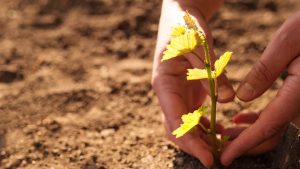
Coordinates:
245	118
192	144
233	132
282	110
240	118
267	145
225	90
206	124
279	53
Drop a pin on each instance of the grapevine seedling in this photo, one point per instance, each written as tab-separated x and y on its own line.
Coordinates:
185	39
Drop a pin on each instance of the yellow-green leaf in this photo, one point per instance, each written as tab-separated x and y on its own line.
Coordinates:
189	120
195	74
189	21
181	45
178	30
221	63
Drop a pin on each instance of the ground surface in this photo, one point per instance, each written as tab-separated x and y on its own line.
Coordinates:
75	81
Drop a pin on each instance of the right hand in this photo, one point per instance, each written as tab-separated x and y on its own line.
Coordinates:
178	96
282	53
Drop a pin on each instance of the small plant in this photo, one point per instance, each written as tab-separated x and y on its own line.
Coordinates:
185	39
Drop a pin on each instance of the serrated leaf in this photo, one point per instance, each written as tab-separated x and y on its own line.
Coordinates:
195	74
221	63
181	45
189	120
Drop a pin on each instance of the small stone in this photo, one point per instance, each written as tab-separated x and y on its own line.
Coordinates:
53	126
147	159
3	153
30	129
107	132
55	152
24	162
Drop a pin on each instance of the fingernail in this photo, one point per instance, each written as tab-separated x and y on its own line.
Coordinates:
246	92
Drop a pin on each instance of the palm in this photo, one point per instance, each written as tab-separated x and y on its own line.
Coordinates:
191	94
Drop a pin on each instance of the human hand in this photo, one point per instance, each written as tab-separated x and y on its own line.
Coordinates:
281	53
178	96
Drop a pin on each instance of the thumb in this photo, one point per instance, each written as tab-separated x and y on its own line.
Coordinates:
279	53
283	109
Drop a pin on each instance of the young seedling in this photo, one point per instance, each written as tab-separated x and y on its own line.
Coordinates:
185	39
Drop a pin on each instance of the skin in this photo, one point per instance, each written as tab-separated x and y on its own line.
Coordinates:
178	96
281	53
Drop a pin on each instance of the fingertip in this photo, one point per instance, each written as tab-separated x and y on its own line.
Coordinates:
199	149
235	119
207	160
245	92
225	162
225	93
245	118
225	159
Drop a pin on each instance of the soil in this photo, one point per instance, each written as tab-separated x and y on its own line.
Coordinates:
75	86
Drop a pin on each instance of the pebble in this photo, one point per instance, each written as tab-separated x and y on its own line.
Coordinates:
107	132
147	159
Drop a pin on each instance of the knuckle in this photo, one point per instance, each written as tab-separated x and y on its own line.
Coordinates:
262	73
290	90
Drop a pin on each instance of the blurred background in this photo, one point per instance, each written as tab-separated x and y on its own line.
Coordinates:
75	86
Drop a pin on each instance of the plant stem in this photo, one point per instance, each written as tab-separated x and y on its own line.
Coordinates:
213	96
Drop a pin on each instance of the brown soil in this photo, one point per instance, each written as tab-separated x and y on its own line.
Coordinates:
75	81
